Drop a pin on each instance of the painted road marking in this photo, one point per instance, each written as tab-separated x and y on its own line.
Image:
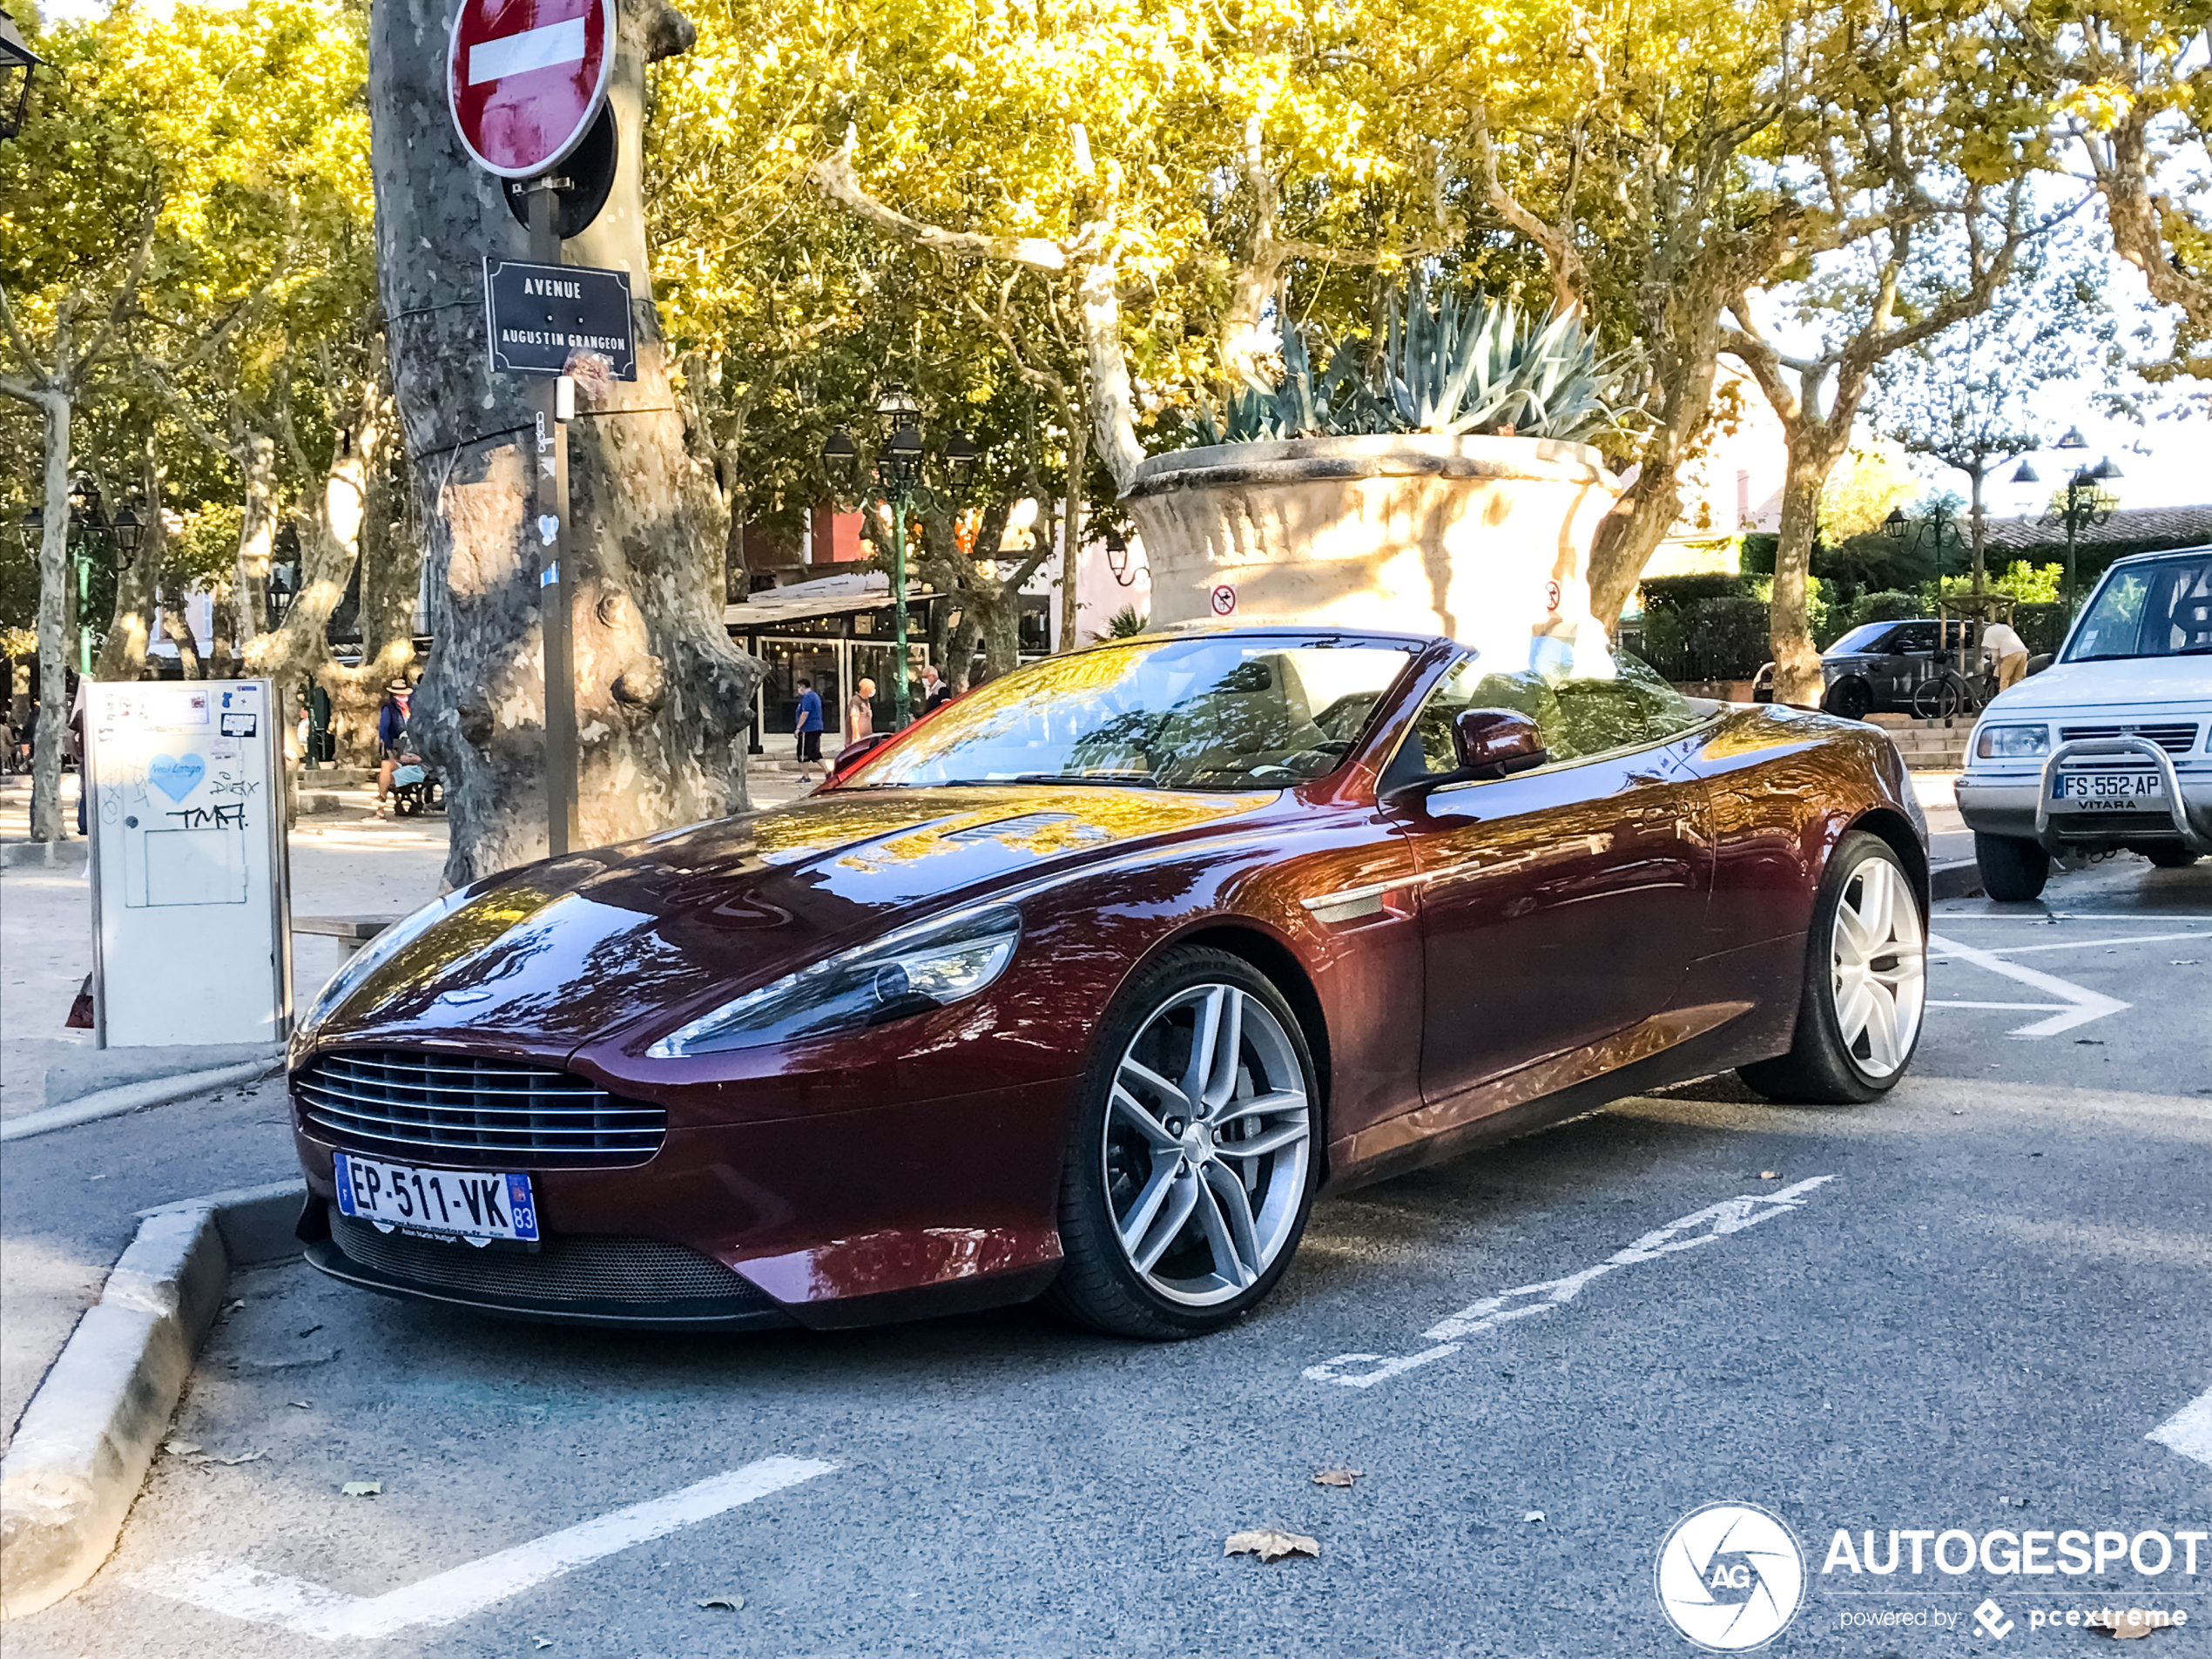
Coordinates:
308	1609
2065	915
2080	944
1527	1301
2189	1430
2079	1005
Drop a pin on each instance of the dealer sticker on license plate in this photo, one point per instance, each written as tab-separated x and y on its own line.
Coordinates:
453	1203
2091	791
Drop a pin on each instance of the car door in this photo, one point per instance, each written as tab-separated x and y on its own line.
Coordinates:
1561	905
1905	656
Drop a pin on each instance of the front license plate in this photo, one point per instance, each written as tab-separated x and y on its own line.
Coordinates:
450	1203
2092	792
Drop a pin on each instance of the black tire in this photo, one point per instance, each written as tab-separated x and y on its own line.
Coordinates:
2012	870
2166	856
1852	699
1821	1068
1099	1285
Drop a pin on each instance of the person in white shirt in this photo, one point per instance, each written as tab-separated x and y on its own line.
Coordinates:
2008	651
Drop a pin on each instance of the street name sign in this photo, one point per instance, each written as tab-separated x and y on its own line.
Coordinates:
526	79
538	317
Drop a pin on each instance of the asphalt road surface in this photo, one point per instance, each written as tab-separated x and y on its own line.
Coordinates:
1961	1313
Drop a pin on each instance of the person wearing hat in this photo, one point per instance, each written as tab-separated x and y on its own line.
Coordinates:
391	726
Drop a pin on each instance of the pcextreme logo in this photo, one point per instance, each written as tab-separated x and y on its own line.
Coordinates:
1730	1577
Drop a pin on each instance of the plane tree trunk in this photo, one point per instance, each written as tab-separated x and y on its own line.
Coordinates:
663	699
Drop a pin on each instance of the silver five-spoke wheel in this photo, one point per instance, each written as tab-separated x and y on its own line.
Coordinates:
1207	1134
1878	967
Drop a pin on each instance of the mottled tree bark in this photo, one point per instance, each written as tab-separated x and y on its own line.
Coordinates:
53	621
663	699
255	453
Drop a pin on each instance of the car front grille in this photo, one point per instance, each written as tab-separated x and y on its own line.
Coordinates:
2177	738
466	1112
565	1268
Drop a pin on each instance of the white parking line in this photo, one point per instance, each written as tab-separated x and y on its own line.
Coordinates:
2079	1005
2064	915
2189	1430
309	1609
2080	944
1728	1216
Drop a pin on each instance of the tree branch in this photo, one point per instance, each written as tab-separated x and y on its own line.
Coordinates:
1570	277
835	175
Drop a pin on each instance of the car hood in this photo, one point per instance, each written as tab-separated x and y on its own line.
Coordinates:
643	936
2129	685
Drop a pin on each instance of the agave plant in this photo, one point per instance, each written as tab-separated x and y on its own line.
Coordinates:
1452	368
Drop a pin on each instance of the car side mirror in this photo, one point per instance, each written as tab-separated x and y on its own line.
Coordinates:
1489	744
2040	660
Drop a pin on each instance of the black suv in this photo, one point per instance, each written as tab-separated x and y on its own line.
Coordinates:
1877	663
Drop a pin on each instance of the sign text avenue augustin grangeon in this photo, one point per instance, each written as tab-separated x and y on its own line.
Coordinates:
537	315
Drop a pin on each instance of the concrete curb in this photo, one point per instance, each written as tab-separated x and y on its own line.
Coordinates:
87	1436
44	855
74	1075
1959	878
133	1097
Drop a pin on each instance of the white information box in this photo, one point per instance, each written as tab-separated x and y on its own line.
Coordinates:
191	891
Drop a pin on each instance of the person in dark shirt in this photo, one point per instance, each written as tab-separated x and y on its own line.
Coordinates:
806	726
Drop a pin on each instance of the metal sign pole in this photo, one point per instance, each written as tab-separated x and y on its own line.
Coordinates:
555	578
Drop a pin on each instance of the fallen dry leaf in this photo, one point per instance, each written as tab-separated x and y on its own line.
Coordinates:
1534	1514
362	1488
301	1404
232	1462
543	1642
2131	1626
1336	1477
1769	1175
181	1448
733	1603
1270	1544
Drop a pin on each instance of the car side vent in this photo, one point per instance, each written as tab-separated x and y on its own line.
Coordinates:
2176	739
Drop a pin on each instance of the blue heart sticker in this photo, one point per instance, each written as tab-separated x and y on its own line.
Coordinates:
176	776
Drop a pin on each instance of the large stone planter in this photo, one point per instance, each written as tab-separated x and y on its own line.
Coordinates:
1486	539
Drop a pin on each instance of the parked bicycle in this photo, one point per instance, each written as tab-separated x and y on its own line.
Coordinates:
1946	694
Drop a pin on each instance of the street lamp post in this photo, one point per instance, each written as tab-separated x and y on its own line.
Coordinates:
17	62
2085	504
899	490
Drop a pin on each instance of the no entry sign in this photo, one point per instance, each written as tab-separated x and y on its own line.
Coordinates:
526	78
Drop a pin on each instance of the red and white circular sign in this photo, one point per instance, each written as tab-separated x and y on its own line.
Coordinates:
1225	600
526	79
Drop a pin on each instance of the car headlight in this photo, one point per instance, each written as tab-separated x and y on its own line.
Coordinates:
908	972
2011	742
374	955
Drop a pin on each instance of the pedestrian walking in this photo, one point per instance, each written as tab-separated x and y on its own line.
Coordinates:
391	727
859	712
806	726
2008	651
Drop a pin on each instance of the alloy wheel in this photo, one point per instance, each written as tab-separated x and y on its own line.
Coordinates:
1878	963
1207	1134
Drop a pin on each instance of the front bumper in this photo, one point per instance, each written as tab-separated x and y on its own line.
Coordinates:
2019	806
854	1217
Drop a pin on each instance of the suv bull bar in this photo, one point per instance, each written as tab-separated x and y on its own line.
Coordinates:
2195	840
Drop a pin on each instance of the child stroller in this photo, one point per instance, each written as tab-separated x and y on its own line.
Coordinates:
416	788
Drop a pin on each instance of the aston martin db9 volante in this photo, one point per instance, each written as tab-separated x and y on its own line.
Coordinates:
1085	986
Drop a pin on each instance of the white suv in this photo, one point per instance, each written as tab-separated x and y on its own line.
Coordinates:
2110	747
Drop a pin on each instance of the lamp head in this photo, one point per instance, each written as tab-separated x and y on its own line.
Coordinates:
2074	440
1896	524
2104	470
2025	474
840	455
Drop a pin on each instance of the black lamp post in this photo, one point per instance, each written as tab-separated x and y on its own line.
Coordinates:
16	63
899	486
2086	503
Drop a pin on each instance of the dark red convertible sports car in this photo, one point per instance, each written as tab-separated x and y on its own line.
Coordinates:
1086	985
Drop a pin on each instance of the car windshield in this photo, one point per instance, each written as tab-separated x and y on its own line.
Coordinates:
2159	607
1192	713
1860	638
